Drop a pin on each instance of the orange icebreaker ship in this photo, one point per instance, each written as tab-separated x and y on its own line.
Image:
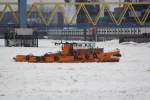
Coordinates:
71	55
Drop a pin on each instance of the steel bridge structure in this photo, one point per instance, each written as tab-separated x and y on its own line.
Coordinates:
20	15
116	27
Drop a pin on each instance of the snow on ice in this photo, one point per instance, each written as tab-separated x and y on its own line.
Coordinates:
127	80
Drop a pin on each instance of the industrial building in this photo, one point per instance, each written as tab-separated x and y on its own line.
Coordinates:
92	10
140	10
34	18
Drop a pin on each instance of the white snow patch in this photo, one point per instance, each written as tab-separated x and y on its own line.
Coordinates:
127	80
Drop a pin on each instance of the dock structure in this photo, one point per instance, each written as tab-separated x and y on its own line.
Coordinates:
110	19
